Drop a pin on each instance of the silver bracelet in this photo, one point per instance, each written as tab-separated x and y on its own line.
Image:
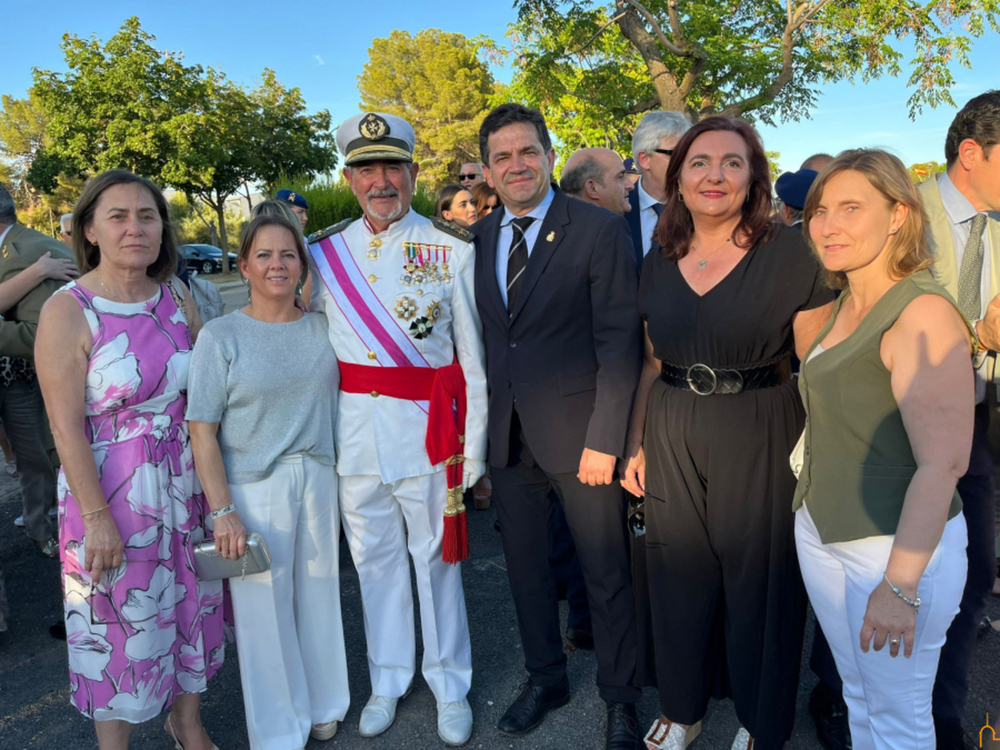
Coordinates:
915	603
225	511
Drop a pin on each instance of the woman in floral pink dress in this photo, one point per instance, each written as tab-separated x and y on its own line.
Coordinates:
112	354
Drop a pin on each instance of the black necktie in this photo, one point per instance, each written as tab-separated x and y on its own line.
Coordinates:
517	258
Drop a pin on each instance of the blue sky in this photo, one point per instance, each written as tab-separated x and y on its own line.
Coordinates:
321	47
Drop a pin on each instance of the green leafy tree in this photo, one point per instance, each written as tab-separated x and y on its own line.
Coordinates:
594	67
125	104
22	134
436	81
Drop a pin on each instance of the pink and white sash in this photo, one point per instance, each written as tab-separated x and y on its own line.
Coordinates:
368	317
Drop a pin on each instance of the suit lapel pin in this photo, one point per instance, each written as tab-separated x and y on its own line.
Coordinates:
550	236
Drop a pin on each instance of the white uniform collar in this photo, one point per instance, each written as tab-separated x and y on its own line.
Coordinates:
400	224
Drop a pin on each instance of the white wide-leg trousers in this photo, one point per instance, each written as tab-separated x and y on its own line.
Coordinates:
888	699
381	521
288	625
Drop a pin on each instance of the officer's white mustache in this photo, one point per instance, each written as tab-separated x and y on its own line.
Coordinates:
383	193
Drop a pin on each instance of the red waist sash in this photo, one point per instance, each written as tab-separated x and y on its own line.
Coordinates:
444	388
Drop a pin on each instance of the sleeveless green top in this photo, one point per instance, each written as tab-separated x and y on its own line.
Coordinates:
858	463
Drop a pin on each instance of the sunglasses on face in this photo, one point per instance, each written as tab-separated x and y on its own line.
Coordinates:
664	151
468	176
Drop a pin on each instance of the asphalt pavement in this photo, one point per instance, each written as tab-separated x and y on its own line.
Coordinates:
34	685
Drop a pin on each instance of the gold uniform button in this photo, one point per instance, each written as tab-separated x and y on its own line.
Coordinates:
372	278
420	292
374	394
372	355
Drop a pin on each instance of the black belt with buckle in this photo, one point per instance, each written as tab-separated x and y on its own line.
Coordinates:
708	381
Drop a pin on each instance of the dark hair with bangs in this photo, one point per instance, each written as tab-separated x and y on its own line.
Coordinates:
675	227
88	255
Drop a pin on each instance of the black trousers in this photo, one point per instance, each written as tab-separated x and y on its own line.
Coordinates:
596	518
566	565
979	506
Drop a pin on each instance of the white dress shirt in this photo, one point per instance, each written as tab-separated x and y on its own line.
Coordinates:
647	217
530	235
961	212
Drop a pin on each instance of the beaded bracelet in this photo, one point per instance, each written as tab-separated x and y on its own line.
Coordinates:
915	603
224	511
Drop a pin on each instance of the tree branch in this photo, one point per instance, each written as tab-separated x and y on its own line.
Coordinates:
771	92
592	39
658	30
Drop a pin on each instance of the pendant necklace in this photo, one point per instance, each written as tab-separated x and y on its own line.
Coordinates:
704	258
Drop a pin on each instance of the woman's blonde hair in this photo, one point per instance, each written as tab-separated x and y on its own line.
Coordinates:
909	250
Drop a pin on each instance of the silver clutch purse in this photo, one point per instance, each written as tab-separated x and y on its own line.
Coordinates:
212	567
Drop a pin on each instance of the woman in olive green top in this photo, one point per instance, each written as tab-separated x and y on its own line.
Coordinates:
888	392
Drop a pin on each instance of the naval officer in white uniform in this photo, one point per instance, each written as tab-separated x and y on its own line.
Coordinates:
398	291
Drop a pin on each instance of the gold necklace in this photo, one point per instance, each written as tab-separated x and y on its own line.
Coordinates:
704	258
104	286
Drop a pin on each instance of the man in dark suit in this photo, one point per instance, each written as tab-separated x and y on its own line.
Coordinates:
652	143
21	405
556	291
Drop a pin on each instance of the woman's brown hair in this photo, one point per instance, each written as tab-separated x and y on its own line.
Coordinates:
445	197
675	227
250	231
909	250
88	255
481	194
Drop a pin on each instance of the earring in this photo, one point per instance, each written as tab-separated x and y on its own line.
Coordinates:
298	290
680	196
246	283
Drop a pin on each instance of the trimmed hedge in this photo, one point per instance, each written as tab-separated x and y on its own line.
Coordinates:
332	202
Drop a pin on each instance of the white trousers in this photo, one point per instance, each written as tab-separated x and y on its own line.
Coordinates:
888	699
288	626
381	521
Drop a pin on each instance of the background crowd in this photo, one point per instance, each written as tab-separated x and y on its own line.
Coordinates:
674	328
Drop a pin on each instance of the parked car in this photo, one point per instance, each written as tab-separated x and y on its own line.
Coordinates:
206	258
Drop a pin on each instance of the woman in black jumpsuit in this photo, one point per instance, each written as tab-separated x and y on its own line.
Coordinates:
722	319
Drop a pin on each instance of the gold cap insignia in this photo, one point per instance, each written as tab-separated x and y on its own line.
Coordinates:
373	127
291	198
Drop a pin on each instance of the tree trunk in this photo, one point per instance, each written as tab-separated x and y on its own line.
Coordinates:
220	212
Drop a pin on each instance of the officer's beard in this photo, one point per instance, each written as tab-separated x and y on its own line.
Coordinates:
392	215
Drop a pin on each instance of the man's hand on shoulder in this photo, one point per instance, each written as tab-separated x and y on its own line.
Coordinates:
596	467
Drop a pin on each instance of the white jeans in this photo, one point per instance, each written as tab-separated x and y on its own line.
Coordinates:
888	699
288	627
381	521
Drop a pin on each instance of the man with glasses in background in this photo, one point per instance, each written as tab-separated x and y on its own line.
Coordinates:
652	143
470	175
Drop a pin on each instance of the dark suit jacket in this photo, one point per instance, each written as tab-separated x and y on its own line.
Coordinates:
22	247
571	352
635	224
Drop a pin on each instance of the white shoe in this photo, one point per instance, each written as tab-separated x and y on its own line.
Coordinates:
325	731
743	740
377	715
454	722
672	736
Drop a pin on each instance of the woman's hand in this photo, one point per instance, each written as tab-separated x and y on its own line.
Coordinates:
633	471
889	618
103	547
230	536
60	269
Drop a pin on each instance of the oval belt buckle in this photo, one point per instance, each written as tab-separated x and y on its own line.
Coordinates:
735	384
697	375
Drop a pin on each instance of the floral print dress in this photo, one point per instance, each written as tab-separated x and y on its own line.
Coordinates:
149	630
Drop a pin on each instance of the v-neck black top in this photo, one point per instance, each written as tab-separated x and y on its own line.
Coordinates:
745	319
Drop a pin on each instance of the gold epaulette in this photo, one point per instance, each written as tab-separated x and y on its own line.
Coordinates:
453	229
337	228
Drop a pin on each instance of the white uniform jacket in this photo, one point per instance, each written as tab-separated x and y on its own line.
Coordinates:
382	436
